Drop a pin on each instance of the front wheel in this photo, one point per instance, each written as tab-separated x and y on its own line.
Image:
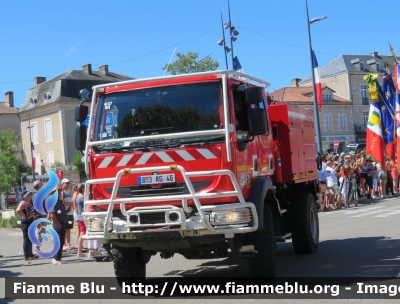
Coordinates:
128	263
263	264
305	224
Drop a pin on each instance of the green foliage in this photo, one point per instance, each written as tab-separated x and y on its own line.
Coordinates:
9	223
56	165
80	166
9	164
188	63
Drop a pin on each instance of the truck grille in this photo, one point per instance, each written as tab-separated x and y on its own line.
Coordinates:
152	218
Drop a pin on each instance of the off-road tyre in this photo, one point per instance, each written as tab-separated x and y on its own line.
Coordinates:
127	263
305	224
264	264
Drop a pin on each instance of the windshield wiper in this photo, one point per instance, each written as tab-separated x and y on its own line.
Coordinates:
118	149
201	142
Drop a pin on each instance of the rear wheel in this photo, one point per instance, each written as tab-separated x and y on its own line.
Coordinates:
263	264
305	224
128	263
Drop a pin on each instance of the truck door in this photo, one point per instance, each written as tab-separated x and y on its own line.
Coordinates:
297	152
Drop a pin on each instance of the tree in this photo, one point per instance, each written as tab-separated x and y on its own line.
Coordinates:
9	163
80	166
188	63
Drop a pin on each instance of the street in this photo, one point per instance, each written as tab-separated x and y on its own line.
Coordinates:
360	241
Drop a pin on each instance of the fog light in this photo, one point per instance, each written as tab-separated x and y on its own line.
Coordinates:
173	217
228	217
134	219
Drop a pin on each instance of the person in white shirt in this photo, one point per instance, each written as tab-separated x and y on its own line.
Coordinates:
332	182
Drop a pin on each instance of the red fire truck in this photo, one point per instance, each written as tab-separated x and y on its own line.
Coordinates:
201	165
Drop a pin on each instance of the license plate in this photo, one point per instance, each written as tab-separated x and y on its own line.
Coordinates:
156	179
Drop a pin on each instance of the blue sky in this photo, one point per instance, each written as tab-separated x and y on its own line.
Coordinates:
137	38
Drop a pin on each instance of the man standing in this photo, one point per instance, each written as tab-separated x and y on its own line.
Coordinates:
59	217
67	201
43	168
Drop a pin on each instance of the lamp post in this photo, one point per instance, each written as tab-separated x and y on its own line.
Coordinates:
30	141
233	32
316	114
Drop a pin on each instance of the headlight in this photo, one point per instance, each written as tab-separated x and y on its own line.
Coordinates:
96	223
229	217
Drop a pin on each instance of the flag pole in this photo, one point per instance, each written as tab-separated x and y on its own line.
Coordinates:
31	144
316	114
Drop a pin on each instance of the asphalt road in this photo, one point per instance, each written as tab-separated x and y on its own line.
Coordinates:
363	241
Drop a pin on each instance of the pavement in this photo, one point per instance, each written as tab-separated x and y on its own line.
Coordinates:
361	241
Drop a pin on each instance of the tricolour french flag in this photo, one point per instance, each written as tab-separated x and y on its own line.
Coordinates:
318	86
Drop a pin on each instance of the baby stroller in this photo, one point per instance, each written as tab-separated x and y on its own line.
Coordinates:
356	194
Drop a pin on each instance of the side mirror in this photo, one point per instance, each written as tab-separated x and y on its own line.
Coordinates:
81	113
80	137
254	95
257	121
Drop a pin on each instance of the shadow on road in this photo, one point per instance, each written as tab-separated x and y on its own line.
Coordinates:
354	257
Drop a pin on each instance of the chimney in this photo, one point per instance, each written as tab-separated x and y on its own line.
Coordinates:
10	99
295	82
374	54
39	80
87	68
104	69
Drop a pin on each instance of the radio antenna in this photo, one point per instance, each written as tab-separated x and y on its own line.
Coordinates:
166	69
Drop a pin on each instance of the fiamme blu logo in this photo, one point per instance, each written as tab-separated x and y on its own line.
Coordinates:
49	202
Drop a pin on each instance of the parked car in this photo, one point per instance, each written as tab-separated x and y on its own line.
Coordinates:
12	199
357	148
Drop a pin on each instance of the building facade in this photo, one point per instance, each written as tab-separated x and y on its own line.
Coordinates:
345	74
9	119
48	113
335	116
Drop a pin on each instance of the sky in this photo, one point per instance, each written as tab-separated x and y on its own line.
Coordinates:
138	38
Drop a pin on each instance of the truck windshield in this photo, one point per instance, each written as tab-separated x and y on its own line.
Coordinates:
161	110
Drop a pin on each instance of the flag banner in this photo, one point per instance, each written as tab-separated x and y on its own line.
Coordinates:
396	76
33	157
387	106
237	66
318	85
375	144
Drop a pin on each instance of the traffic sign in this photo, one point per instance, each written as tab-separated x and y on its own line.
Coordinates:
336	144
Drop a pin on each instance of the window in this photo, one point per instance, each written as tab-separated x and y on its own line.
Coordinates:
37	163
361	66
48	130
34	133
327	97
364	95
378	67
328	125
365	117
342	122
50	158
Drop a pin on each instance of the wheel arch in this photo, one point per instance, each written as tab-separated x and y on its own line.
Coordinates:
261	189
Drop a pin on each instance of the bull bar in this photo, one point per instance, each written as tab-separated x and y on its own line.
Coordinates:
203	226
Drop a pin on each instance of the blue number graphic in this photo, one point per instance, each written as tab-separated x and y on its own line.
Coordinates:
38	205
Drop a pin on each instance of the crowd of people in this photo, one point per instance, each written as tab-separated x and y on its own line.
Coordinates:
66	212
345	179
